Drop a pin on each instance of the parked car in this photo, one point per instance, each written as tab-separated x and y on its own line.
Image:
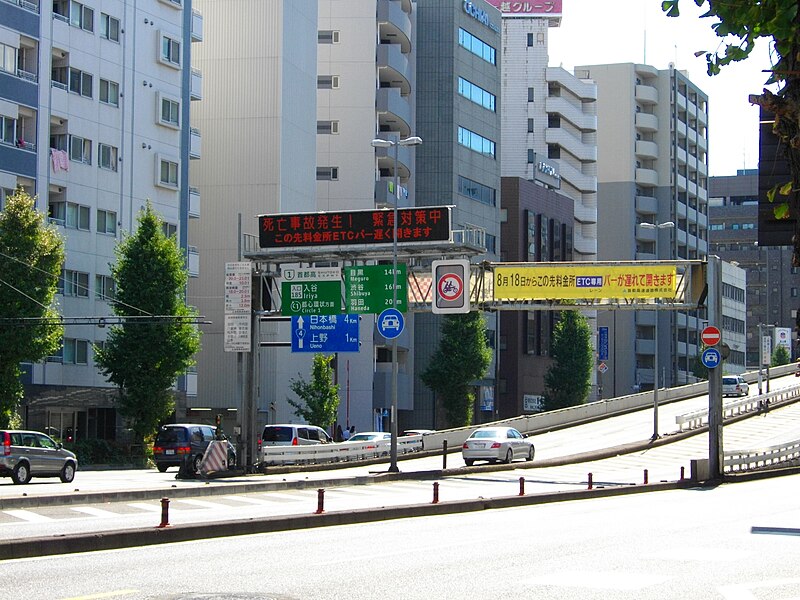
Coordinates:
734	385
496	444
377	442
27	454
184	444
417	432
291	434
370	436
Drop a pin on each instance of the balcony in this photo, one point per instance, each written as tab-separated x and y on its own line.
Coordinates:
647	177
646	318
587	184
394	25
583	245
581	151
194	143
197	25
384	196
558	105
385	158
585	90
393	68
645	149
646	122
645	346
196	91
643	234
646	94
394	111
194	202
646	205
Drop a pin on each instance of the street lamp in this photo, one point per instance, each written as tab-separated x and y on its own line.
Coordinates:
379	143
656	226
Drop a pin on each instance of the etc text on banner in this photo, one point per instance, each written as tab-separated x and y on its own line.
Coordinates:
576	282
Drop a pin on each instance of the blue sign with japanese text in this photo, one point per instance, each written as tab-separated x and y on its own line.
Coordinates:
325	333
602	343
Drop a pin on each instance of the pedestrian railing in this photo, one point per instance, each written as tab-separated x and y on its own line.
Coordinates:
746	460
338	452
699	418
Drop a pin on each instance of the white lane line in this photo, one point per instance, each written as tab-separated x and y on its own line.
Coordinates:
27	515
95	512
146	507
248	500
201	503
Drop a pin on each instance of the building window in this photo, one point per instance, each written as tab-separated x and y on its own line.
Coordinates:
327	127
476	142
477	191
77	216
327	36
169	112
81	16
80	149
80	82
109	92
531	156
477	46
553	151
107	157
327	82
167	173
8	59
106	221
76	352
327	173
170	51
109	27
491	243
553	121
530	125
169	229
530	94
8	130
104	288
476	94
530	40
75	283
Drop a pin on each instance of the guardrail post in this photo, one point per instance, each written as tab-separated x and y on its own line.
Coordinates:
320	501
590	482
164	513
521	486
444	455
645	476
682	473
435	492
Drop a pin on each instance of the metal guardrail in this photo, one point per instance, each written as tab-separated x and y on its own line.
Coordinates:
738	461
337	452
699	418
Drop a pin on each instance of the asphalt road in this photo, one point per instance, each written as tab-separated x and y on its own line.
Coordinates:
682	544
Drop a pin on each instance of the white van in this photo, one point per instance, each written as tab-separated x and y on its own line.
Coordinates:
291	434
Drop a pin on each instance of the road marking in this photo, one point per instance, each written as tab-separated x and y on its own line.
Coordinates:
27	515
247	500
146	507
201	503
599	580
95	512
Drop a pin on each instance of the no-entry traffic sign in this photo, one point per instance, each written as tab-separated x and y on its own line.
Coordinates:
711	336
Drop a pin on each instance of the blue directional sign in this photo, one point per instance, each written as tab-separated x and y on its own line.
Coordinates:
390	323
602	343
711	358
325	333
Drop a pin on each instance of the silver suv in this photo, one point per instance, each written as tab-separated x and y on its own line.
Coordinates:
27	454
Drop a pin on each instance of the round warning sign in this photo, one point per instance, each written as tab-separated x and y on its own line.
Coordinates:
451	286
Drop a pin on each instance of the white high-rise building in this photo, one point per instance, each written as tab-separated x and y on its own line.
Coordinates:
94	105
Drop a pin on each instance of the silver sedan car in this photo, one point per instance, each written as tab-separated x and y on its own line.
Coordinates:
496	444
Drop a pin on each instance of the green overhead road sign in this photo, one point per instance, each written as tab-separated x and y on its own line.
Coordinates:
368	289
311	298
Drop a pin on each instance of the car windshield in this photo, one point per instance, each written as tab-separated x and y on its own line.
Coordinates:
486	433
729	380
277	434
171	435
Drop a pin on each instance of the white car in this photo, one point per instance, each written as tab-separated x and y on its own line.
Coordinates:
734	385
496	444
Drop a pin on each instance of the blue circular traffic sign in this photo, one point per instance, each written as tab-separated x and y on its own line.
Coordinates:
390	323
711	358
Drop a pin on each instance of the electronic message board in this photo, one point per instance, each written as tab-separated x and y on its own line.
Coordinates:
354	227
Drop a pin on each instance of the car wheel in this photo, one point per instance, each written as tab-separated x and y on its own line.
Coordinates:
509	456
67	472
21	474
469	462
196	463
530	454
162	468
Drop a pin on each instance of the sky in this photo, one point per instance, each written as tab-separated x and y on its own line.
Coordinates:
623	31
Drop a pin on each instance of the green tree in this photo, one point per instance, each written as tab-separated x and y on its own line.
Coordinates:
31	259
699	370
780	357
462	358
320	397
145	355
739	23
568	380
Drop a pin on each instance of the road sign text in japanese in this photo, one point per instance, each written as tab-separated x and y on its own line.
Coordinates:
368	288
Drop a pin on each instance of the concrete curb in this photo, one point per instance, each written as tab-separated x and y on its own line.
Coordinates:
110	540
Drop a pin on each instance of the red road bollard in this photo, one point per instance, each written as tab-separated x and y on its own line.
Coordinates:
164	513
590	481
320	501
435	492
682	473
521	486
645	476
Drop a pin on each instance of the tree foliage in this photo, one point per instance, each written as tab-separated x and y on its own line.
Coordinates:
31	259
780	357
144	357
568	380
739	23
462	358
320	396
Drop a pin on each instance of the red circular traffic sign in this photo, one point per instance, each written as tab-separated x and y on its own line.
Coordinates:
450	287
711	336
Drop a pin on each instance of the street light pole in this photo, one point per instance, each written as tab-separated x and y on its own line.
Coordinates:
379	143
655	436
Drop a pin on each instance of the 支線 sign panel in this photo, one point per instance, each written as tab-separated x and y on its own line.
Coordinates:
550	282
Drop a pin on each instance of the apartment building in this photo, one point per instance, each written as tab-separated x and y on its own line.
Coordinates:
94	103
652	139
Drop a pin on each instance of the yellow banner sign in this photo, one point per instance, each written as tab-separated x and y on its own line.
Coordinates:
547	282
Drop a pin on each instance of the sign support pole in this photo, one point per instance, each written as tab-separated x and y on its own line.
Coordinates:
715	457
